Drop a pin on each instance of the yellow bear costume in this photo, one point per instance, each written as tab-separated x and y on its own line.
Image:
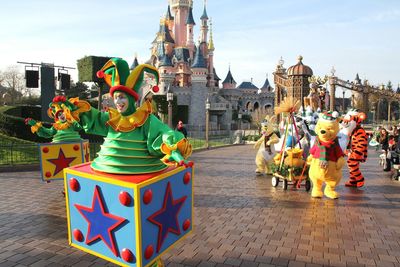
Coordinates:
265	146
326	157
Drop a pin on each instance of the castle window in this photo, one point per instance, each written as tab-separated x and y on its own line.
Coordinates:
165	71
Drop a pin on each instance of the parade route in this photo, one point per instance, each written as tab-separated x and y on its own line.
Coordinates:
239	220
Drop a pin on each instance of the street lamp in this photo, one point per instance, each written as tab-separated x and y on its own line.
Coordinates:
240	121
170	98
208	106
343	91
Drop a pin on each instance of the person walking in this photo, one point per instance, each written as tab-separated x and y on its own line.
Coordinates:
181	128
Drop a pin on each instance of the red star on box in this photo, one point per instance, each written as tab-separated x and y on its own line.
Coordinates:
167	217
61	162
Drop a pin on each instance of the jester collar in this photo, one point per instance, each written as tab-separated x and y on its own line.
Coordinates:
61	125
128	123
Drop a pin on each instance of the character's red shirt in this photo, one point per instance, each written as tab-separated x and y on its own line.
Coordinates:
333	150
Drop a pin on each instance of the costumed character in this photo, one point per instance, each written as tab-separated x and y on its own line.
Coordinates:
66	117
135	140
265	146
357	148
326	157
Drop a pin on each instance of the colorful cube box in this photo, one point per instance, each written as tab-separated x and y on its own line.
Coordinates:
130	220
54	157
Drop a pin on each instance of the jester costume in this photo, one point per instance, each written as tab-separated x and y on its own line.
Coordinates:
357	149
66	117
135	140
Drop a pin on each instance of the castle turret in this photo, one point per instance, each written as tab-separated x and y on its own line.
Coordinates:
135	63
180	9
204	26
267	86
199	68
211	49
170	19
189	31
229	82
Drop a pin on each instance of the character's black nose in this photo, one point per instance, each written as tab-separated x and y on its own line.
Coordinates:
323	131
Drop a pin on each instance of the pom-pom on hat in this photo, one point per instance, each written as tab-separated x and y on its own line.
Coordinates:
116	74
328	116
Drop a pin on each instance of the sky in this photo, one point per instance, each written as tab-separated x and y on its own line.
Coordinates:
353	36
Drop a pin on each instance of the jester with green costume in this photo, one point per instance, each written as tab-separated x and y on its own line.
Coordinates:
135	140
66	117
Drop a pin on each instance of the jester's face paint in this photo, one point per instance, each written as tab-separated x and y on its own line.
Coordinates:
61	117
121	101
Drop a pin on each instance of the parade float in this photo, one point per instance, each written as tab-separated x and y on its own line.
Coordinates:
135	200
66	148
289	166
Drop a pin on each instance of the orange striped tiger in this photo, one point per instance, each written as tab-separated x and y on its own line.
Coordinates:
357	149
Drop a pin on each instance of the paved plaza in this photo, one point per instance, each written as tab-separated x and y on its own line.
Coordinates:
240	220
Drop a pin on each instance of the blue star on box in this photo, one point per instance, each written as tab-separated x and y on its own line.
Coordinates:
101	223
167	217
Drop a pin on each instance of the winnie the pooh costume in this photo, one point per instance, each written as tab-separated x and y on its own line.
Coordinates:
326	157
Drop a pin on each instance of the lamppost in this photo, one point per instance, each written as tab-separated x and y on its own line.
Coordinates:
343	91
208	106
170	98
240	121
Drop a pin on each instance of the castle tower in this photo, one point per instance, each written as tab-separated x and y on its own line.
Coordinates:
199	68
180	9
204	26
229	82
199	89
170	19
135	63
165	69
211	49
189	31
298	85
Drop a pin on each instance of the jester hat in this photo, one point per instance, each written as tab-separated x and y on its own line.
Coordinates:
71	107
116	74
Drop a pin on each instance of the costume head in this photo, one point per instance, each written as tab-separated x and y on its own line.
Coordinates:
327	126
351	120
126	88
62	110
267	125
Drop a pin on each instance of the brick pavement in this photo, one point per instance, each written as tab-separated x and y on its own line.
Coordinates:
240	220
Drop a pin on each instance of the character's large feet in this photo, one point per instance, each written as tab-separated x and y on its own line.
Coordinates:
258	173
354	183
316	193
330	193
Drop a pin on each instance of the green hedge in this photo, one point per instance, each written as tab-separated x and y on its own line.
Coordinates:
12	123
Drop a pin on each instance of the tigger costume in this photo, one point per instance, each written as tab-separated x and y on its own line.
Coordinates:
357	149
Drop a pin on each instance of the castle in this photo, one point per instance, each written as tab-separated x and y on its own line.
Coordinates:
187	69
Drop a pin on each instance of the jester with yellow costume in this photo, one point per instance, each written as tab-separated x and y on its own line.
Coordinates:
135	140
66	117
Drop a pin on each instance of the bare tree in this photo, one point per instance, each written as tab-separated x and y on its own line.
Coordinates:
258	115
14	81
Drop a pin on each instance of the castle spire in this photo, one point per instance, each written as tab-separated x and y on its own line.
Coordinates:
204	16
189	19
199	61
211	42
135	63
168	15
204	25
